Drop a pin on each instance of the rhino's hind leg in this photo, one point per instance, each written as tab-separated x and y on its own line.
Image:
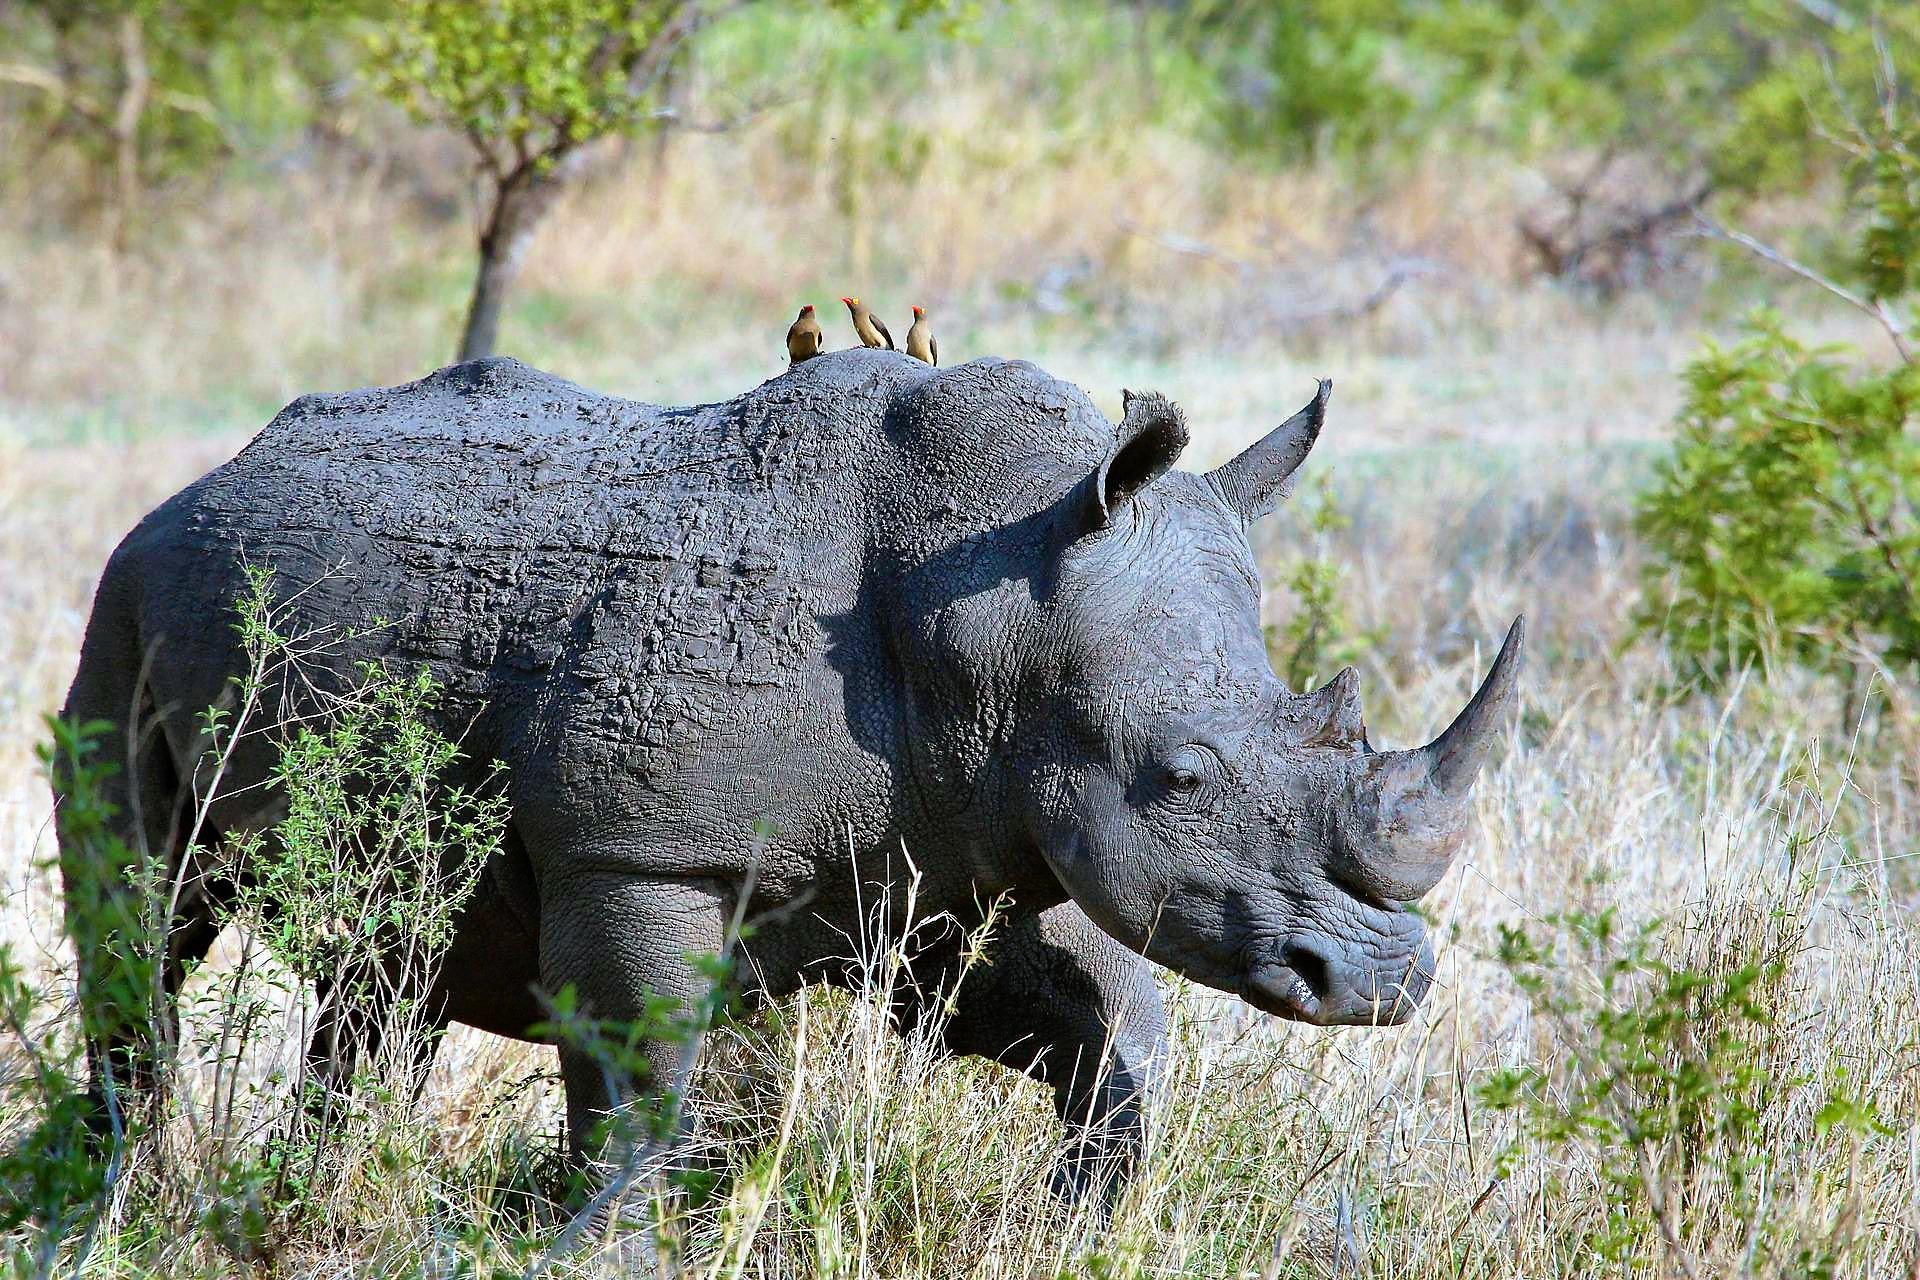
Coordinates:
1064	1003
122	817
357	1012
636	954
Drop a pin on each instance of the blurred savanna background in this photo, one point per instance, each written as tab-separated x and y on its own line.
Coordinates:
1616	296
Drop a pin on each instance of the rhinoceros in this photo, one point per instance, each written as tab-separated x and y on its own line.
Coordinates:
867	611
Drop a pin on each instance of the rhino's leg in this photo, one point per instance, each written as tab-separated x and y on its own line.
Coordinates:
636	953
1069	1006
488	978
137	823
356	1015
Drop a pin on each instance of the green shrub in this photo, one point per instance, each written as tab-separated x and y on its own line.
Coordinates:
1669	1070
51	1175
1706	90
149	91
1784	526
1659	1073
376	852
354	892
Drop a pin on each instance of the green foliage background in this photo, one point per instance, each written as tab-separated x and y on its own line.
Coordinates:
1728	89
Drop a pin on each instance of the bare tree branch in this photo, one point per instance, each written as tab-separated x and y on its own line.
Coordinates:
671	117
34	78
1825	11
1880	312
1185	246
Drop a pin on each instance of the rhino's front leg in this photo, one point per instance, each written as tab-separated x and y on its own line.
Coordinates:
1063	1002
636	952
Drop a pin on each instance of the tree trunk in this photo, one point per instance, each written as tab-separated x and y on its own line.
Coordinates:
498	266
520	201
674	95
135	85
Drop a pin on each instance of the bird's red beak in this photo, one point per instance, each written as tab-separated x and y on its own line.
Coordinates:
848	301
917	312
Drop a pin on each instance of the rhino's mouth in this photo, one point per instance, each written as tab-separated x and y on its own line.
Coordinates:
1282	993
1302	986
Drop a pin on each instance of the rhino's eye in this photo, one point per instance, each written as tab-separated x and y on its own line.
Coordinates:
1188	774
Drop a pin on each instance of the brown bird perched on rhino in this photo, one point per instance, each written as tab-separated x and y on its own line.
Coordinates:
804	336
870	328
921	344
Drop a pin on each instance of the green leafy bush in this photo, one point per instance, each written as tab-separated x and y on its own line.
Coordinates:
353	893
1304	78
1665	1073
147	91
1705	89
375	853
1784	525
1660	1074
50	1172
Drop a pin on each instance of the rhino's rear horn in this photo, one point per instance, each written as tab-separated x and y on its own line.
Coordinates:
1253	482
1330	715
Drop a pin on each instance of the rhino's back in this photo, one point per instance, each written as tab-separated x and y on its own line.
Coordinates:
651	577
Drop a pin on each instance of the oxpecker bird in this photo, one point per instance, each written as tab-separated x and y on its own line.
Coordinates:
873	333
804	337
921	344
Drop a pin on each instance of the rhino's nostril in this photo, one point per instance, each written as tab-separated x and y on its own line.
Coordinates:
1311	967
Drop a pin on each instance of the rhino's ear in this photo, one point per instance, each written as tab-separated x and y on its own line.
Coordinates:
1152	434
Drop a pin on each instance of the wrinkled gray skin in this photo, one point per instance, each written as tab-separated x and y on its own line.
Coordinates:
874	605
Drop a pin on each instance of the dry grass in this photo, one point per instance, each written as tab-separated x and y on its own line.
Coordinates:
1484	435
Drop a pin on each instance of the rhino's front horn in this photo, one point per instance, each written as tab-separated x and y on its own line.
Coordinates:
1253	482
1410	812
1454	758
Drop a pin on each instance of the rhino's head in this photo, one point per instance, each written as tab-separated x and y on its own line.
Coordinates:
1201	812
